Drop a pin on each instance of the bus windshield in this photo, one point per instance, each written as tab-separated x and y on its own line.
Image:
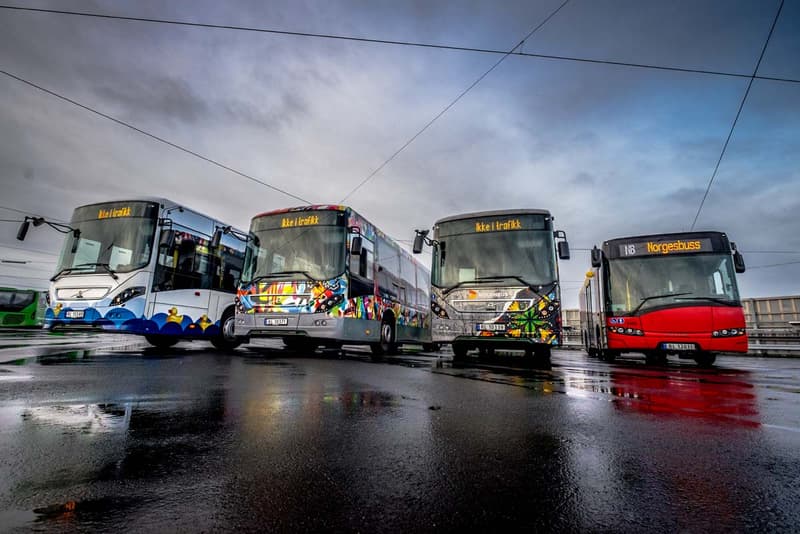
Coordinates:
302	252
637	284
117	244
525	254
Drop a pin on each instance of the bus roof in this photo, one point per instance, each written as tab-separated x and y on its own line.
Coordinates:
309	207
494	213
161	201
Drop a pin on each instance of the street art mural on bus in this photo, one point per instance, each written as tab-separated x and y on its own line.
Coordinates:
130	318
525	314
328	297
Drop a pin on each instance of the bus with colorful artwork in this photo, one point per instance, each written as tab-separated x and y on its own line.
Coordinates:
324	275
145	266
494	281
21	308
664	294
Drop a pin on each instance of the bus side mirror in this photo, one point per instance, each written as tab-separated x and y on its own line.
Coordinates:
165	240
355	246
563	250
419	241
215	239
23	230
738	262
597	257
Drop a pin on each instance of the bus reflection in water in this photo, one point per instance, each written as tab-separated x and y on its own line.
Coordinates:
664	294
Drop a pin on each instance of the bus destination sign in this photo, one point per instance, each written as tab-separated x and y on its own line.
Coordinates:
665	248
299	219
116	210
498	225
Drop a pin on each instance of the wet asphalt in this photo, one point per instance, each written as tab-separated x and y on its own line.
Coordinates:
124	438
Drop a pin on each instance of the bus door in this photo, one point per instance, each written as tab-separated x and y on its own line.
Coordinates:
183	275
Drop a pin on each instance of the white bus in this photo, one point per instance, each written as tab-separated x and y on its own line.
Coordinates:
145	267
323	275
495	281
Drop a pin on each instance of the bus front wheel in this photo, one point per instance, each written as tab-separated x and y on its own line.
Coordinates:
705	359
459	352
226	340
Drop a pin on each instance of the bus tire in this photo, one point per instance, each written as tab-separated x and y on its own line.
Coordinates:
607	355
226	340
655	358
459	352
386	344
705	359
161	342
431	347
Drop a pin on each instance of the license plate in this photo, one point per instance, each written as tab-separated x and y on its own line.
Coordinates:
74	314
276	321
679	346
490	327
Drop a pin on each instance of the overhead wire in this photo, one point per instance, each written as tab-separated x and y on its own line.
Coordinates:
452	103
738	113
415	44
152	136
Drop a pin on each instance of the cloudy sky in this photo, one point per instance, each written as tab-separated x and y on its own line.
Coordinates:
609	150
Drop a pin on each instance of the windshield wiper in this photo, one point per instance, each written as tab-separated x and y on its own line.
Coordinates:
279	274
62	272
536	289
105	266
490	279
727	302
651	297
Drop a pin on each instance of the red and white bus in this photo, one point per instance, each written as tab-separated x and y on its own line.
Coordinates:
664	294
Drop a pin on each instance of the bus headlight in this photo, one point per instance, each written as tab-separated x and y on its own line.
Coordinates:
128	294
729	332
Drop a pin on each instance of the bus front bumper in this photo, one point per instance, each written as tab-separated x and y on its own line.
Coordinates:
312	325
680	343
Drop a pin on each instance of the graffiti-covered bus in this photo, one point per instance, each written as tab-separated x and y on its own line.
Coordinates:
324	275
144	266
664	294
495	281
21	307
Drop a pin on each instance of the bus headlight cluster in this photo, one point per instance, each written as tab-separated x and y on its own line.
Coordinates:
443	327
438	310
321	322
627	331
729	332
128	294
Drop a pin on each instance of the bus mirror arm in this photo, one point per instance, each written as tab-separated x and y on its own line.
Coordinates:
219	230
58	227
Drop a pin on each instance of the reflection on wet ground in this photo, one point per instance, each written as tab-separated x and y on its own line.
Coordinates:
191	439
